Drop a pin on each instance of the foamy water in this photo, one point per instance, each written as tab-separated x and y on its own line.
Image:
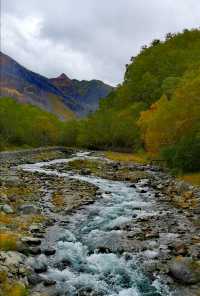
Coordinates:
87	258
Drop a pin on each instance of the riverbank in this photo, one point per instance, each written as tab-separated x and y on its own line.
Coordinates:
29	204
164	237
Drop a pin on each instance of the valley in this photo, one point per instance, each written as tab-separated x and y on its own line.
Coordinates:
99	185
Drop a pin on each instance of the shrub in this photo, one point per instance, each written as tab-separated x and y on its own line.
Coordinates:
185	154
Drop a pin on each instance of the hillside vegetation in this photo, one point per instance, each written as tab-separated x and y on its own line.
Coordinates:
155	111
27	125
157	107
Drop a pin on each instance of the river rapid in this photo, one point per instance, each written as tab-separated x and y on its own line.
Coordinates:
88	258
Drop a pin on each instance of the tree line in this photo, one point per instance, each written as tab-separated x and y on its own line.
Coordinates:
156	109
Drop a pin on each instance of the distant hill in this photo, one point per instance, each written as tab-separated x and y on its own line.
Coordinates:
51	95
85	93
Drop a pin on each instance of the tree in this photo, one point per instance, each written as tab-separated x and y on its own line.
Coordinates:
166	122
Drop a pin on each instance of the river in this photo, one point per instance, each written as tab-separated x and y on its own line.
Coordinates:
88	259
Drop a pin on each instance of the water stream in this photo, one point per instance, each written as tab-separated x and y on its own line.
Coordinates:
88	259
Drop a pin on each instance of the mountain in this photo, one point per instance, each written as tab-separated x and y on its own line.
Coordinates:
60	96
29	87
86	93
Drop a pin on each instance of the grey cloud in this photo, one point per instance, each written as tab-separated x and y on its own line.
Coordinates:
91	39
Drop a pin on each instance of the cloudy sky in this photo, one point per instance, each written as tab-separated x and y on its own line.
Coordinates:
88	39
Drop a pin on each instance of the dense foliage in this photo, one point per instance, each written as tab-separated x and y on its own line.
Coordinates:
157	108
24	124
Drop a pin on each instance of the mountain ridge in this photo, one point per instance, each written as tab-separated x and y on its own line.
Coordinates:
86	93
56	95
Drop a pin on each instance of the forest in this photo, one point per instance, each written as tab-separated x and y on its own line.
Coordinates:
156	110
24	125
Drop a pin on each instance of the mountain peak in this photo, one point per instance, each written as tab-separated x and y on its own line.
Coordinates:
63	76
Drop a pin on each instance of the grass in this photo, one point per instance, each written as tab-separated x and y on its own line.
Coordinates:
14	288
58	200
194	178
22	224
16	224
141	158
19	190
60	109
8	241
18	194
8	147
5	218
46	155
86	164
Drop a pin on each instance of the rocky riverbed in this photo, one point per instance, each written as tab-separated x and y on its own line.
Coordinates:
84	225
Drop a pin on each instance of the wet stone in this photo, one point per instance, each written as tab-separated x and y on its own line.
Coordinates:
34	279
32	241
97	245
34	251
28	209
40	264
48	282
49	251
185	270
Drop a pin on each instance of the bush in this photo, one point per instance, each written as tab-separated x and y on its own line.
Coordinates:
184	155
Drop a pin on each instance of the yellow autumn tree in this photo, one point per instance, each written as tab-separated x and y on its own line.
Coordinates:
167	121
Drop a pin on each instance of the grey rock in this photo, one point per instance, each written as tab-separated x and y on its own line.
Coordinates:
34	279
49	251
28	209
151	254
32	241
160	186
34	251
85	172
182	186
195	251
35	228
40	264
185	270
3	197
48	282
12	260
7	209
10	180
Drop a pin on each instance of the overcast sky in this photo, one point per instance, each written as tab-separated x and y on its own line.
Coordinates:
88	39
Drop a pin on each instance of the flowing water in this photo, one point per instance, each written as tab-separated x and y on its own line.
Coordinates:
81	264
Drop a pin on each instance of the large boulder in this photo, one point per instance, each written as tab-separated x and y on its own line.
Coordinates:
39	264
185	270
12	258
12	262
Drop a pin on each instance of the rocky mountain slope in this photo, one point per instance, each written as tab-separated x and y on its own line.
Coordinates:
49	94
86	93
29	87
